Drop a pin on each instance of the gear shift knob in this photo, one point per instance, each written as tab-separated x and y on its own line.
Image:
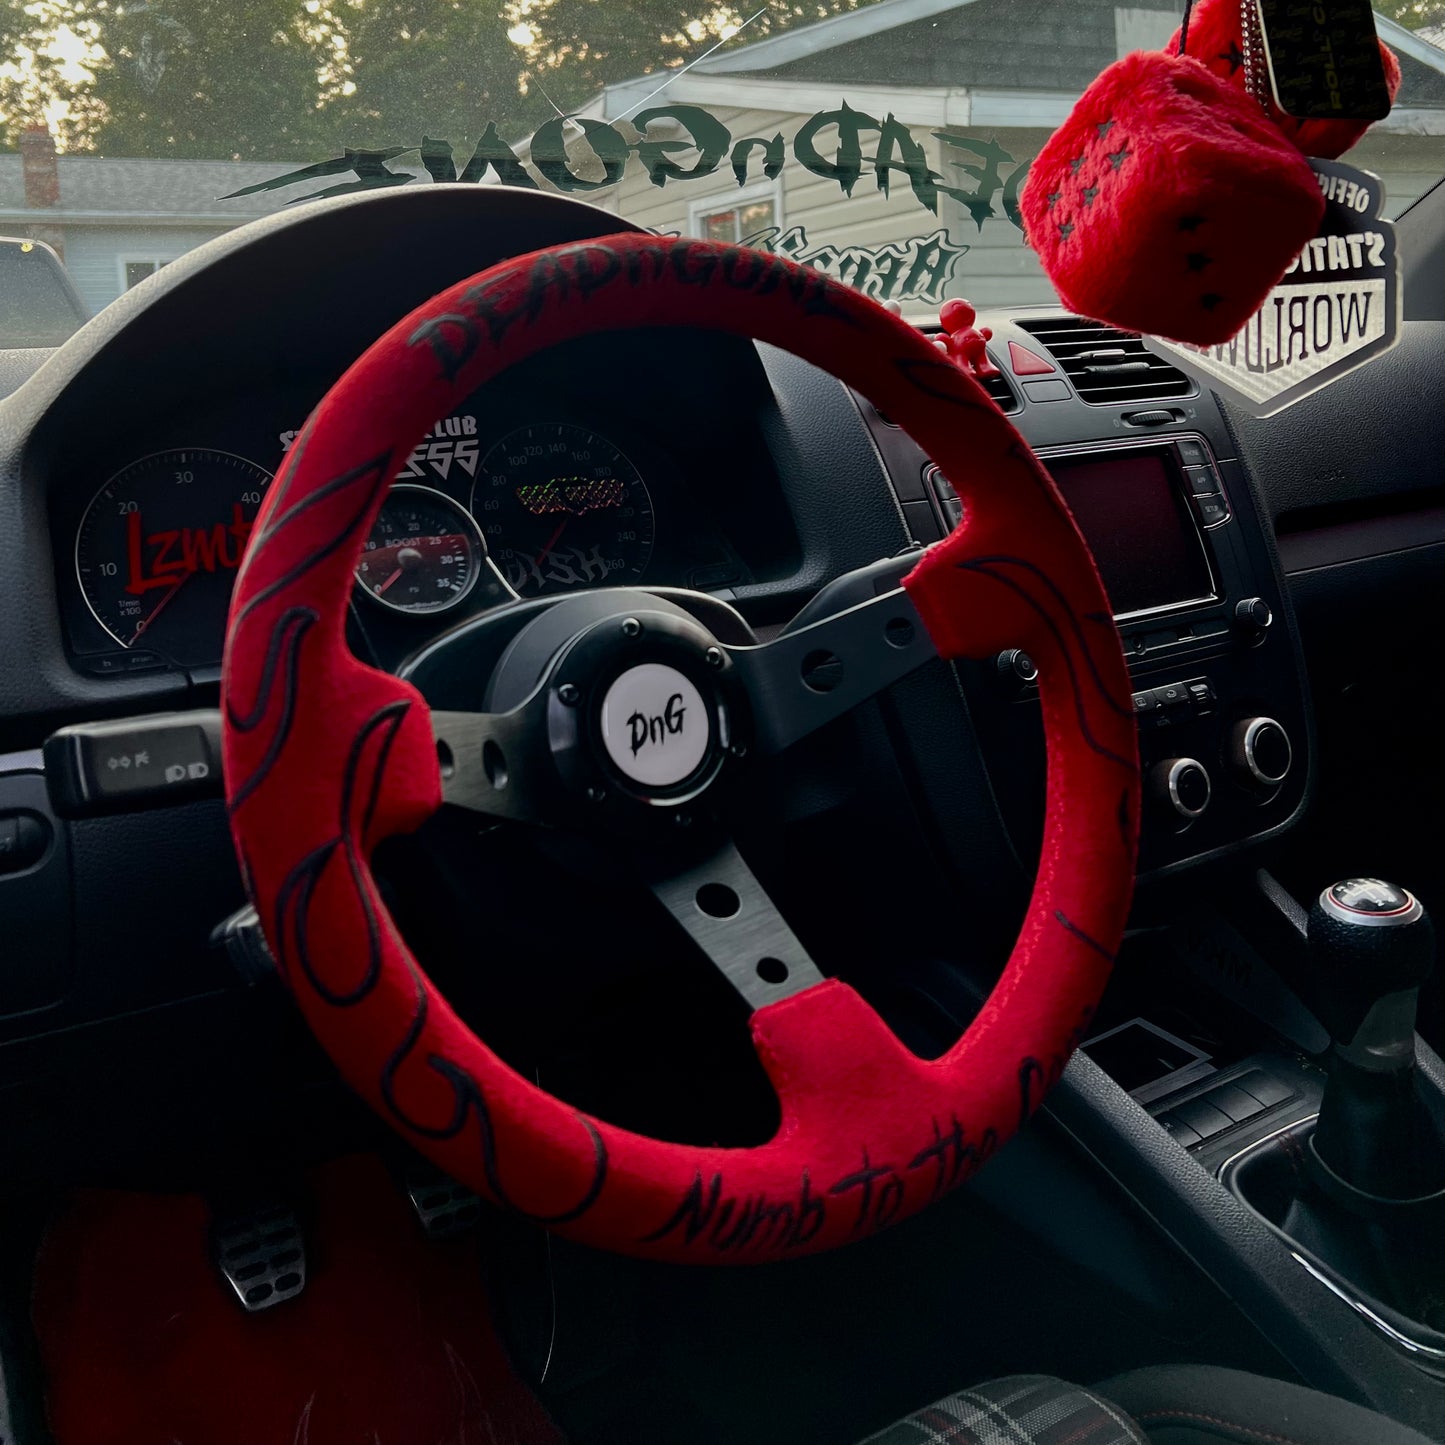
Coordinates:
1368	940
1371	947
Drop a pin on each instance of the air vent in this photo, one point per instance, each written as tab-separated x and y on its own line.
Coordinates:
998	388
1106	365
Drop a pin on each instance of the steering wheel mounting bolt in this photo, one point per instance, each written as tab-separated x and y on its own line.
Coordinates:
569	695
596	794
631	627
714	657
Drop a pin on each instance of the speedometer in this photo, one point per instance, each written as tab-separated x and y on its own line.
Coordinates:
561	506
159	546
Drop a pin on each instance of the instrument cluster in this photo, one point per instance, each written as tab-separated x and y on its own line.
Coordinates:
504	490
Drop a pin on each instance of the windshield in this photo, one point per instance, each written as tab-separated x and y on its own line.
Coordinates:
884	143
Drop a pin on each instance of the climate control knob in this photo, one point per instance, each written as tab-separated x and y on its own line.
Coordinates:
1181	787
1260	752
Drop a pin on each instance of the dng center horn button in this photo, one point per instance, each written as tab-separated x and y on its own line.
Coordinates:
656	727
641	699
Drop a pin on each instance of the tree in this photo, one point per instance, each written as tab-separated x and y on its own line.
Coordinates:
198	78
409	68
1413	14
276	79
31	78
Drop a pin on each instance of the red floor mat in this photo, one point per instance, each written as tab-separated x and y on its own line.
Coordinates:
391	1342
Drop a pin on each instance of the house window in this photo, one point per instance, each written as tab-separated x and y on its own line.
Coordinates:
134	269
736	217
1137	28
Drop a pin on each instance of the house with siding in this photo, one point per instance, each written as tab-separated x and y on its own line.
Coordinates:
115	220
885	145
977	97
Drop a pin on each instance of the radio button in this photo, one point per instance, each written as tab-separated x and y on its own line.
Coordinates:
1201	694
1145	701
1211	510
1192	453
949	501
1171	695
1203	481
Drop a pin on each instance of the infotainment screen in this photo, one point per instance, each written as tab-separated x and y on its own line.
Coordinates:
1131	508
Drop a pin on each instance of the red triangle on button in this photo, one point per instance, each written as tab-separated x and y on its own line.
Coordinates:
1026	362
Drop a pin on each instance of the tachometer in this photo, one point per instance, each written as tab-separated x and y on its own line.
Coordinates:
424	553
561	506
159	546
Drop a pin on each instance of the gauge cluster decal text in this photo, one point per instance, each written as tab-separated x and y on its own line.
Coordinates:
162	558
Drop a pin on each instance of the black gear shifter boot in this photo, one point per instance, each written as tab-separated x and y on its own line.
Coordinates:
1396	1258
1375	1135
1362	1193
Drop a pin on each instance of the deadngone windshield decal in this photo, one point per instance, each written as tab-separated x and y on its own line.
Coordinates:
672	144
893	153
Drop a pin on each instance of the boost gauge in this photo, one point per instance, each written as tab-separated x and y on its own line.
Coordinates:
424	553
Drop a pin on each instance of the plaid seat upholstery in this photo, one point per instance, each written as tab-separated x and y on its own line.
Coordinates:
1018	1410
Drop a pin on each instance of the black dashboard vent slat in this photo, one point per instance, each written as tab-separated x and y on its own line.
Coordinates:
1107	366
997	386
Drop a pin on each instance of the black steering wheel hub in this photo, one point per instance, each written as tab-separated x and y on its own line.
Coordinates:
631	706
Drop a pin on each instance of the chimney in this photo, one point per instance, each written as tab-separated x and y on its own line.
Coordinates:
38	166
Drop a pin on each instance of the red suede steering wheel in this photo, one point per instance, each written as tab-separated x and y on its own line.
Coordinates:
325	756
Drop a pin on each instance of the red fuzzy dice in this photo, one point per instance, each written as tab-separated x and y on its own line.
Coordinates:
1168	202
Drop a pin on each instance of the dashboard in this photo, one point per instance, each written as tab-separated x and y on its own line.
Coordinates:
133	460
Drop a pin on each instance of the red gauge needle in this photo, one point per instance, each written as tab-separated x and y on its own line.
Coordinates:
156	611
552	540
389	581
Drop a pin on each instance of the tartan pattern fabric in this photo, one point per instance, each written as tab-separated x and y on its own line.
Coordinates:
1018	1410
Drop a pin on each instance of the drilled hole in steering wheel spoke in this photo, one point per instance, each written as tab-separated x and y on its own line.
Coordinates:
494	764
717	900
772	970
899	632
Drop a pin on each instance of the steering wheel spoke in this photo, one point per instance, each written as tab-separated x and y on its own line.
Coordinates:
490	764
726	911
808	677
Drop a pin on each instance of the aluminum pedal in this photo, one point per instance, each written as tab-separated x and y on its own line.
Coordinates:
443	1207
262	1254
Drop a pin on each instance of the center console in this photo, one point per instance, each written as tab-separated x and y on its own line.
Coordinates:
1189	566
